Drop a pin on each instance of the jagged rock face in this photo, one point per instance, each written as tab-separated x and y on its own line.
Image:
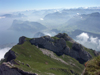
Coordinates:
65	37
50	44
6	70
21	40
10	55
59	46
79	53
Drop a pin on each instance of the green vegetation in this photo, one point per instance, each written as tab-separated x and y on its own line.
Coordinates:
69	44
55	38
43	64
27	39
93	67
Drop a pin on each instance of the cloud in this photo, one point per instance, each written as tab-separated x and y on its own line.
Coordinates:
3	51
98	45
41	19
2	17
94	40
77	13
50	33
47	33
88	41
83	37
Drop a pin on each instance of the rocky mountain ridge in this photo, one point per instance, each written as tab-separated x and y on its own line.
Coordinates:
61	44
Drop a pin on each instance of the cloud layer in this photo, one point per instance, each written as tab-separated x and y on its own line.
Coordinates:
89	41
2	17
3	51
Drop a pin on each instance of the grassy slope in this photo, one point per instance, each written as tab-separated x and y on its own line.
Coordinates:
93	67
42	64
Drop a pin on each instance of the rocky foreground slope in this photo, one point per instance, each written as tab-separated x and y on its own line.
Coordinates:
58	55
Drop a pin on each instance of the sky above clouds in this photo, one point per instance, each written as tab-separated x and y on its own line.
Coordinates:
21	5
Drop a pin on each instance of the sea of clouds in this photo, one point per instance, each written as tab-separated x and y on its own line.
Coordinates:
88	41
3	51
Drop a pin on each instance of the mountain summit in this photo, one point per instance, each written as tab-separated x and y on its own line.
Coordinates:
58	55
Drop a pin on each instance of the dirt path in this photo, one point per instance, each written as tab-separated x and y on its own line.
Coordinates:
83	72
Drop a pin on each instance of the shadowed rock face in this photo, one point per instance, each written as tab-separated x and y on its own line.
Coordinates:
48	43
6	70
21	40
79	53
10	55
60	47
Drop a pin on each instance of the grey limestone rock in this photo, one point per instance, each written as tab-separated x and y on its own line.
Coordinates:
49	43
6	70
60	47
65	37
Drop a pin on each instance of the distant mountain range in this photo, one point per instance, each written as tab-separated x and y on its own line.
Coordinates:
14	15
26	26
86	22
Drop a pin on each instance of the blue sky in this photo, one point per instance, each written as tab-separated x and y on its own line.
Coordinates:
20	5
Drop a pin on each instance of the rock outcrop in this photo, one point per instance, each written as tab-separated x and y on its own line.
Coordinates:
21	40
10	55
60	47
65	37
5	69
78	52
49	43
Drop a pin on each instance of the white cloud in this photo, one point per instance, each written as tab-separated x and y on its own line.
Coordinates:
3	51
88	41
2	17
77	13
41	19
94	40
98	45
85	7
81	17
47	34
83	37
